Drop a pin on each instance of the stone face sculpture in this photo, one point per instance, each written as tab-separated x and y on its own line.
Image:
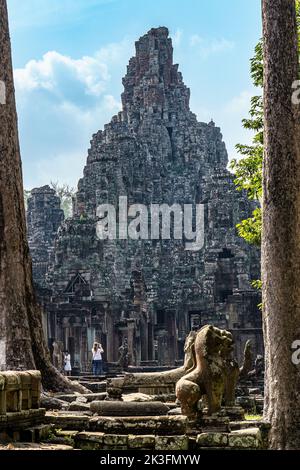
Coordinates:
208	377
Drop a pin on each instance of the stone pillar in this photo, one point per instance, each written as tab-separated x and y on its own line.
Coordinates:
172	352
150	342
90	339
144	340
162	346
131	342
110	338
84	358
77	345
2	395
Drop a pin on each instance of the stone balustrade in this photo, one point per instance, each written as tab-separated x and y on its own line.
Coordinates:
19	391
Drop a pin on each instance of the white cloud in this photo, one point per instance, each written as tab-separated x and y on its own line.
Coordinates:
61	102
177	37
207	47
112	104
229	116
240	103
54	69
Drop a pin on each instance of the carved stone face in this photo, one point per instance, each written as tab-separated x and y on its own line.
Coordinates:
217	342
214	340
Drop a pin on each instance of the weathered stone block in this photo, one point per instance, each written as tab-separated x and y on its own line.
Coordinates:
78	406
245	439
27	389
2	396
90	436
141	442
13	391
171	443
88	397
36	388
160	425
116	408
171	425
115	440
95	387
64	421
89	440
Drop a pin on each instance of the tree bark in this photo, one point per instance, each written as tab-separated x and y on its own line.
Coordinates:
281	224
22	343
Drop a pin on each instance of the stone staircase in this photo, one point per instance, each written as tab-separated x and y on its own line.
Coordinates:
155	433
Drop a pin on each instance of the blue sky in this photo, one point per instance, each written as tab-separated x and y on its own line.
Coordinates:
70	57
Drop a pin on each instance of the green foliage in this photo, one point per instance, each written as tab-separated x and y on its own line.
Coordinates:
257	65
257	284
250	229
248	170
66	194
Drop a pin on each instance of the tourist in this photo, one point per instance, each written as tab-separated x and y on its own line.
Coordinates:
97	359
67	363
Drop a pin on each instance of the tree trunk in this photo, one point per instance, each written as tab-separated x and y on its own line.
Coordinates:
22	343
281	224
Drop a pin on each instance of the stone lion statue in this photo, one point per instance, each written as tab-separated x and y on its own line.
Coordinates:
207	379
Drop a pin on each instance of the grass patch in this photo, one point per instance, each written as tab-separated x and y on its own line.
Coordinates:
253	417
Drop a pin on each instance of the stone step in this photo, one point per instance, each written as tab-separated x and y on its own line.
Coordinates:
36	434
241	439
245	439
21	419
31	446
64	421
236	425
102	441
79	406
88	396
161	425
120	408
95	387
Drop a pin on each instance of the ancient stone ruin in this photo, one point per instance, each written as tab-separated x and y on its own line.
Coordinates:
147	294
96	421
20	408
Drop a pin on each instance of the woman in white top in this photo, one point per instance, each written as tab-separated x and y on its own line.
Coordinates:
97	359
67	361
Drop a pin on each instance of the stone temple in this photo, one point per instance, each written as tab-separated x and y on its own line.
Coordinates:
150	293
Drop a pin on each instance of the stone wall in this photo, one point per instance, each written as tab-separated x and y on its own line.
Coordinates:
44	217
